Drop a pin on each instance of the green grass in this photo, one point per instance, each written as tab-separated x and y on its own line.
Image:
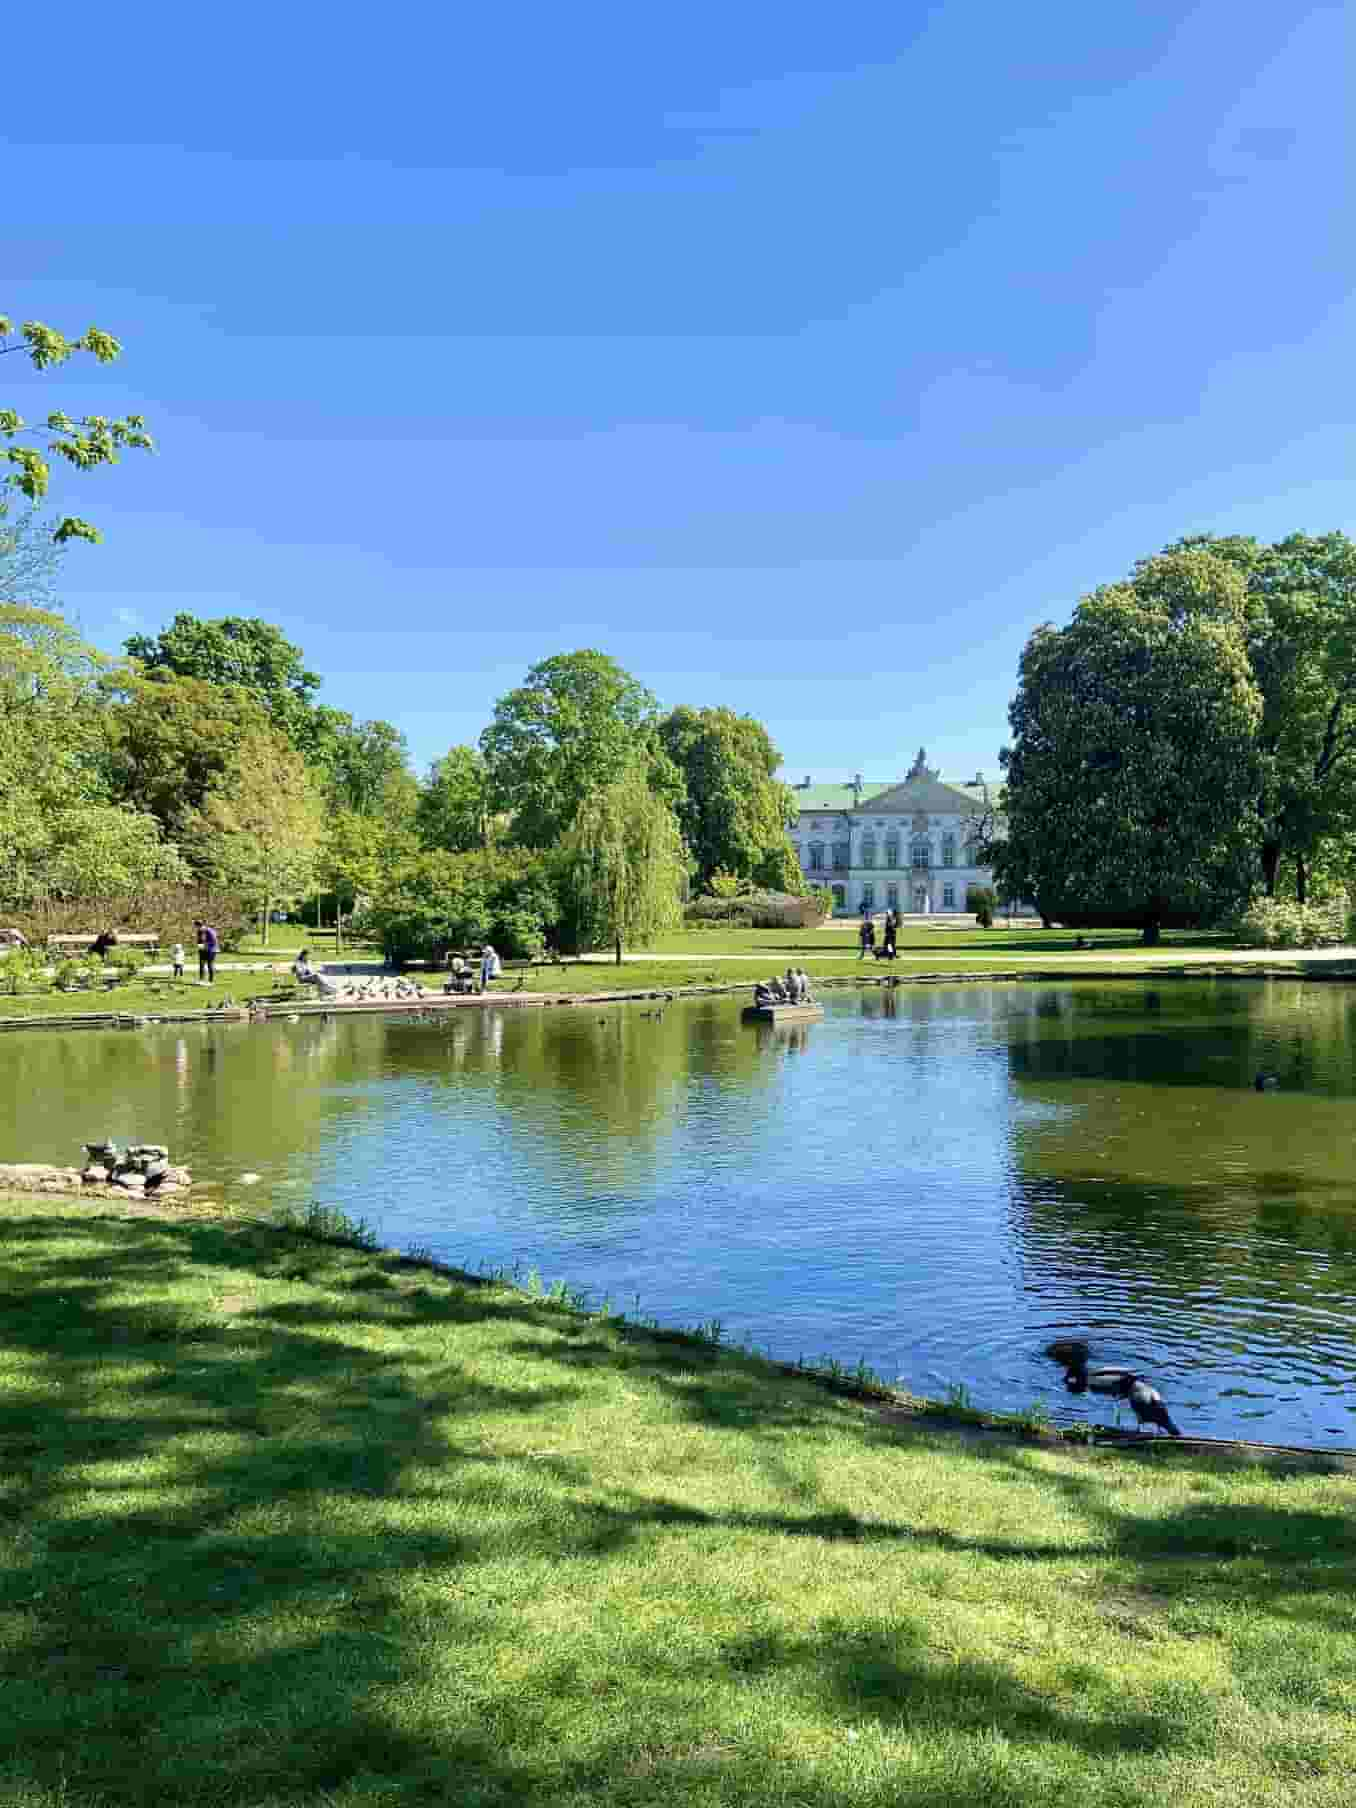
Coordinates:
142	997
286	1523
945	939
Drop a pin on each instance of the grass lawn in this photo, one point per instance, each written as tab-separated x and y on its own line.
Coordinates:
285	1523
141	997
840	939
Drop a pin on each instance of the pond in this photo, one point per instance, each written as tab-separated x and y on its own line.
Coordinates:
937	1180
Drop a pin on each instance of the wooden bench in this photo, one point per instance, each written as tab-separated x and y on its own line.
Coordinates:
81	944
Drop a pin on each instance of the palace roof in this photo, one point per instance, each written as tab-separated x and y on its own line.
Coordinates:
936	797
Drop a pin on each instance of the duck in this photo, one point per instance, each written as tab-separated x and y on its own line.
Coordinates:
1147	1404
1266	1082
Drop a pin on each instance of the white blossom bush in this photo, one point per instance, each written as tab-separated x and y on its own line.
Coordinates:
1281	923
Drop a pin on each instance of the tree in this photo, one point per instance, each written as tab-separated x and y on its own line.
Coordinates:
625	864
242	651
734	813
355	850
85	443
365	764
170	741
1133	773
261	823
570	730
431	902
453	808
29	558
1301	639
61	835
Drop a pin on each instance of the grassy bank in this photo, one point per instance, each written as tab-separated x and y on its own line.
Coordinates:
141	997
289	1523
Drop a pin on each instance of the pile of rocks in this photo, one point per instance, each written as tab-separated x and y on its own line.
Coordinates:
141	1168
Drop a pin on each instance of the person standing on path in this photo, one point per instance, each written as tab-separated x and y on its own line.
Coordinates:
868	938
891	932
489	967
207	951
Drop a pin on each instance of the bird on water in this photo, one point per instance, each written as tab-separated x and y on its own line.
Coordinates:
1146	1402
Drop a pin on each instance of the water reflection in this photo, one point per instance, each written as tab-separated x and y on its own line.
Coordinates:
938	1179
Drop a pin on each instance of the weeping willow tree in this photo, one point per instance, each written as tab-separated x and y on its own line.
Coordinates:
625	863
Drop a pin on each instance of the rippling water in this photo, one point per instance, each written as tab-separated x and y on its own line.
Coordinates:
937	1180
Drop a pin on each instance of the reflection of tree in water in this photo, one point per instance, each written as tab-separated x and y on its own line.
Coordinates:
1163	1198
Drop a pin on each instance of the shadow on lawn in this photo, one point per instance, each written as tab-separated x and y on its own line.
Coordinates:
242	1547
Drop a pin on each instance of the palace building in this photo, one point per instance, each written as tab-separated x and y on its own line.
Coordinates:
908	847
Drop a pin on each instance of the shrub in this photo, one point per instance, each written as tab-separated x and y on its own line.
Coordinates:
980	899
76	975
1280	923
759	910
726	885
24	970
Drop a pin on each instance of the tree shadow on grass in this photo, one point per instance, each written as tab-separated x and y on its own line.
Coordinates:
244	1544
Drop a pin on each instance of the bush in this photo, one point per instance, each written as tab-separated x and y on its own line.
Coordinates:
980	899
126	964
759	910
1280	923
24	970
433	903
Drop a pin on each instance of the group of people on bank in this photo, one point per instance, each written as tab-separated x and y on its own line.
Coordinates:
793	989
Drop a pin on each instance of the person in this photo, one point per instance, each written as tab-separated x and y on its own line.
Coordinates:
302	970
804	987
868	938
762	993
792	986
102	943
177	956
208	944
459	980
490	967
891	932
197	942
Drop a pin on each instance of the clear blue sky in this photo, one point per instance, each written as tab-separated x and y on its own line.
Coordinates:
802	358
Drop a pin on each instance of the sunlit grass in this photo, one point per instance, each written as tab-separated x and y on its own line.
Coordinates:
288	1523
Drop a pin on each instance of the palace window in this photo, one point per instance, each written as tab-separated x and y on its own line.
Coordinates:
839	898
892	897
841	856
922	855
948	897
816	856
868	850
868	897
892	850
948	850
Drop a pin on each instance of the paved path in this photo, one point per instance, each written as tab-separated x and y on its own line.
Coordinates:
1228	957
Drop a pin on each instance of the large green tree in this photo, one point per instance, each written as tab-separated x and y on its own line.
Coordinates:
364	765
242	651
624	864
260	827
62	832
735	813
574	726
1300	616
171	740
27	448
1132	777
453	810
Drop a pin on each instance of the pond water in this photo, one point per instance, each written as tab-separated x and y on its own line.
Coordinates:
938	1180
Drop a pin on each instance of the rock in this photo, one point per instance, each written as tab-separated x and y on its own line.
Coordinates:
129	1178
93	1176
154	1151
156	1172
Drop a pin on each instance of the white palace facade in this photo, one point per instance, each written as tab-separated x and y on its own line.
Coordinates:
909	848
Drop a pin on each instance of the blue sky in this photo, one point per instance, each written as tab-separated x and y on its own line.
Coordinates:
803	359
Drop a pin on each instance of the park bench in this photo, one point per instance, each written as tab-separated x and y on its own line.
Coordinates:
81	944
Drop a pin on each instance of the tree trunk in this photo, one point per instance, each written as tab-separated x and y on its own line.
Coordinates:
1271	866
1301	880
619	958
338	924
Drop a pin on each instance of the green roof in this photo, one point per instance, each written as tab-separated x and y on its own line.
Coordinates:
936	796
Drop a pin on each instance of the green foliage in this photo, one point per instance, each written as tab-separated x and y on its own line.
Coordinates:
364	765
429	904
571	730
981	900
169	741
757	910
24	970
734	813
240	651
624	866
1282	923
453	808
1133	775
259	830
726	885
29	558
86	442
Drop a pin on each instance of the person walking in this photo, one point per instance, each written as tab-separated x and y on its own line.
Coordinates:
891	932
490	967
868	938
208	947
177	956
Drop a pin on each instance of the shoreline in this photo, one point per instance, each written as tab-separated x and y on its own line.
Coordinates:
1330	973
